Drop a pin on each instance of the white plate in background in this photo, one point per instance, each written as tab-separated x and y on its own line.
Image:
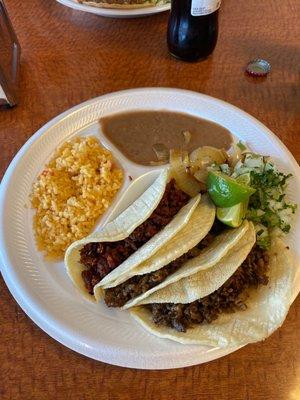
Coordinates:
116	12
43	289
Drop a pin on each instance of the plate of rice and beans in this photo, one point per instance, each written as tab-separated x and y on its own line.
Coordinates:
118	215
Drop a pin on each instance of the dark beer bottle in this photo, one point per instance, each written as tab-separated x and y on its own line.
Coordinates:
193	28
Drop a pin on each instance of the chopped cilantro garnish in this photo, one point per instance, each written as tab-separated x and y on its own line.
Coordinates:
267	206
262	237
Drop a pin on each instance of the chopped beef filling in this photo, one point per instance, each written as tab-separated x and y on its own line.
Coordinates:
101	258
119	295
228	298
133	287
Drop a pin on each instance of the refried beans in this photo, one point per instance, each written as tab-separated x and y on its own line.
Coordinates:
135	133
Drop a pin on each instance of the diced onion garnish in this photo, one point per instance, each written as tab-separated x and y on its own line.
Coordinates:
161	152
183	179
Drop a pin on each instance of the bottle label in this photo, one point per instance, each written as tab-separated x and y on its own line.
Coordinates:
204	7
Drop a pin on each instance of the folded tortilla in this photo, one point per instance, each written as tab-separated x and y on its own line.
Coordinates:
207	259
120	228
185	239
204	273
198	227
267	306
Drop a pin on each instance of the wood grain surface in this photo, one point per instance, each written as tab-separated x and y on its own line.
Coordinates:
70	56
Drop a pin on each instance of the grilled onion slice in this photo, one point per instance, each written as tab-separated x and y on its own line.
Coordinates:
187	183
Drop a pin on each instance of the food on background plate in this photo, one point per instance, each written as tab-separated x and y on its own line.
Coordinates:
75	188
134	236
146	137
123	3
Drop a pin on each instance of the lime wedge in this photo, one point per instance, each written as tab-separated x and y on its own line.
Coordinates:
226	191
232	216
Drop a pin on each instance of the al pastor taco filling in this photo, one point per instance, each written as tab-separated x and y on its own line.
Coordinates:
119	295
228	298
101	258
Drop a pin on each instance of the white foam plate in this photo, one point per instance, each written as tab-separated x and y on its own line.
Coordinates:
43	289
115	12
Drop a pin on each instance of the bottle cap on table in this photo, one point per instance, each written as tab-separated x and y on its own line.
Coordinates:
258	67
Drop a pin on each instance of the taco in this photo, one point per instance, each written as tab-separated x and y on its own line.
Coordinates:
124	286
243	298
134	236
199	245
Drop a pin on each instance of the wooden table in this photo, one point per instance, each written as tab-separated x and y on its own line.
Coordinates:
69	57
